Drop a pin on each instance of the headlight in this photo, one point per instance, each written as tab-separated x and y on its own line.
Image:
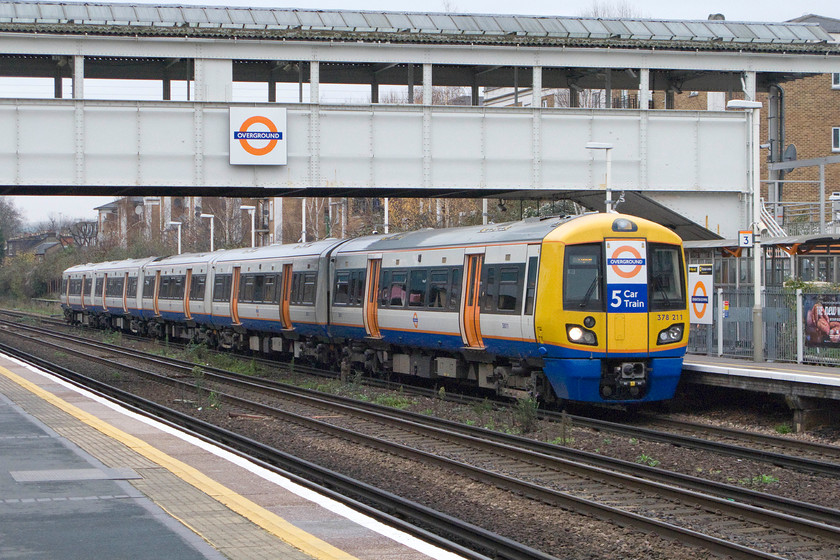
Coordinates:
580	335
672	334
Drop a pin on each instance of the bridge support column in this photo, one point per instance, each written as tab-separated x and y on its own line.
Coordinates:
427	84
811	412
644	88
213	80
78	77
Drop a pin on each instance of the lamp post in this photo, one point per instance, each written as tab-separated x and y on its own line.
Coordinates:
179	234
758	320
607	147
212	219
251	210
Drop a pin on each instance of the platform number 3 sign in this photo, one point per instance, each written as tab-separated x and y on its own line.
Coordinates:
745	238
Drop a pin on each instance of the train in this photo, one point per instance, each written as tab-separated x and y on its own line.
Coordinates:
589	308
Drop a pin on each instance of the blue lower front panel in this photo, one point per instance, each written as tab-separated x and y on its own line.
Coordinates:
580	379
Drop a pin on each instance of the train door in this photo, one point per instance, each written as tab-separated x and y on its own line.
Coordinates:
531	270
155	301
627	294
286	297
371	303
84	287
470	308
234	296
104	287
125	292
187	284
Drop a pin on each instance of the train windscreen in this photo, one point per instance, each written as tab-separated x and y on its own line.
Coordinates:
667	278
583	278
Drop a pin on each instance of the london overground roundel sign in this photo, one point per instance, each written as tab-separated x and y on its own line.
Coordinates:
257	136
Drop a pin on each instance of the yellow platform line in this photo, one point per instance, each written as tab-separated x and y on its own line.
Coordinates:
272	523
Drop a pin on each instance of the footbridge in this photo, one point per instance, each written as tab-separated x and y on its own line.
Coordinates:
204	131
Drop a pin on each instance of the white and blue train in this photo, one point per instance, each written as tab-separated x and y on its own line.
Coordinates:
587	308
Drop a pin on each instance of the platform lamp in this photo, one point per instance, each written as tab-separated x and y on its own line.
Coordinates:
212	218
252	211
607	147
179	234
758	319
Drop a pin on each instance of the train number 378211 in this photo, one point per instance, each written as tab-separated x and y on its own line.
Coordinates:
669	316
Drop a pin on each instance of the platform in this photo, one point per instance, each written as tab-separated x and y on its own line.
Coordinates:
812	391
83	478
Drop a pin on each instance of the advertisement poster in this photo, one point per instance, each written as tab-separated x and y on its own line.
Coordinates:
822	320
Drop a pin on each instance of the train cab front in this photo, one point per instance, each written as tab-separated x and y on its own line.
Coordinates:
615	316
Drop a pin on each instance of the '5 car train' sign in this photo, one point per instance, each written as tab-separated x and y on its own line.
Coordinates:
257	136
627	276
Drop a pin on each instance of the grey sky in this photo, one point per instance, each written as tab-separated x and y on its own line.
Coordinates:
37	209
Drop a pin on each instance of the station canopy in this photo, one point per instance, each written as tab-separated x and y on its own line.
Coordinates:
433	28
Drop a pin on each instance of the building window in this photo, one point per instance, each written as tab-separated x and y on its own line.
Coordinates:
835	139
835	80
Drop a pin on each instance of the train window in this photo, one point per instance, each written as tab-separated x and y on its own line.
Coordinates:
417	288
396	294
270	289
357	287
342	289
455	288
385	284
75	286
148	287
90	286
259	288
163	291
198	287
114	287
246	288
309	288
131	289
488	288
297	287
177	287
531	286
221	287
438	284
667	278
583	278
509	289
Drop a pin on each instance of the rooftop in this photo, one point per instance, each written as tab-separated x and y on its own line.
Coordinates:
412	27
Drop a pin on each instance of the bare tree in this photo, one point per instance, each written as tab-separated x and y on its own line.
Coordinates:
611	9
11	220
84	233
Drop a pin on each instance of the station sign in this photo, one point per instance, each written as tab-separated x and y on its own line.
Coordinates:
627	276
257	136
700	291
745	238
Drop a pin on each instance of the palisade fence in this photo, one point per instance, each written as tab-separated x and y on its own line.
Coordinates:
731	334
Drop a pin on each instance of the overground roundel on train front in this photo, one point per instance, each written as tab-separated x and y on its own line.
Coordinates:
626	275
626	261
257	136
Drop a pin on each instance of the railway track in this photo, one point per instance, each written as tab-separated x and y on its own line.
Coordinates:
775	450
550	475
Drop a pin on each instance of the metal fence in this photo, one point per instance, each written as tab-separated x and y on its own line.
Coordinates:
784	324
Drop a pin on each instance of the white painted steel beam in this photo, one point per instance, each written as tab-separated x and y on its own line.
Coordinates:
386	53
412	147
